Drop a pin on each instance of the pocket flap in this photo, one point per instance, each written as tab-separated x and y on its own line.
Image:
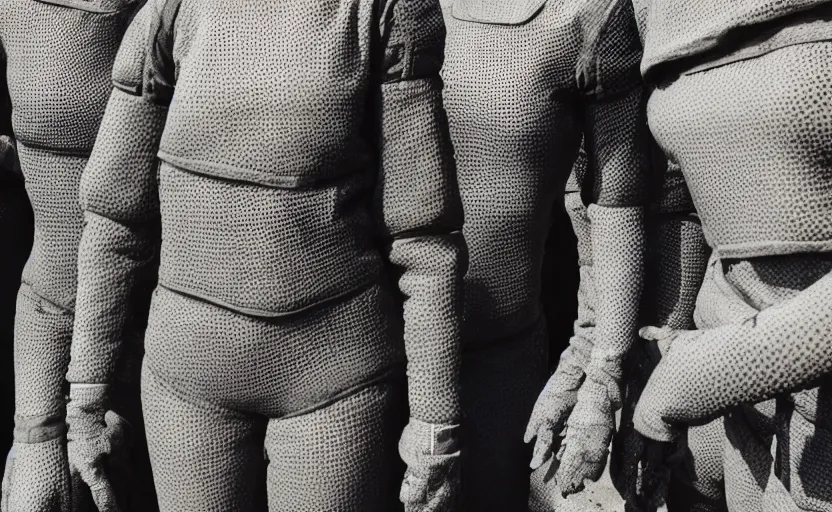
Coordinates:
94	6
497	12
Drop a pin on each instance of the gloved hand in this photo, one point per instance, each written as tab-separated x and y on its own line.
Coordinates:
647	419
36	478
432	480
9	161
589	429
98	441
555	404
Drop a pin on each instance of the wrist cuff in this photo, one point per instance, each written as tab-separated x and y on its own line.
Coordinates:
39	429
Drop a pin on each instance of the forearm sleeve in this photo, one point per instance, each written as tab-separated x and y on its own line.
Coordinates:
418	204
784	348
615	140
119	196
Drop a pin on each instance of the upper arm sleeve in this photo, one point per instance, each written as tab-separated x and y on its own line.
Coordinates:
614	118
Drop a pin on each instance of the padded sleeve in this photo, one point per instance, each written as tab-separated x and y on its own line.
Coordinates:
615	140
119	196
418	205
784	348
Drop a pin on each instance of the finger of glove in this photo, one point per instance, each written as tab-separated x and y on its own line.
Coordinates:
553	409
103	495
535	421
441	492
414	489
553	405
117	430
572	474
579	463
542	447
656	333
442	500
102	491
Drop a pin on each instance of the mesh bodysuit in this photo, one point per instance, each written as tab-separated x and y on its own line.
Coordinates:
57	58
307	199
747	124
523	81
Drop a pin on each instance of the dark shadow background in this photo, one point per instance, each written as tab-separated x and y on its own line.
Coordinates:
16	230
560	283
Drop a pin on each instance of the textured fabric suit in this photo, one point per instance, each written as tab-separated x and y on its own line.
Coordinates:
304	172
57	58
737	102
521	88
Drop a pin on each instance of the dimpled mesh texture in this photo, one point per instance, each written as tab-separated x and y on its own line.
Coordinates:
616	150
616	311
43	333
33	471
516	128
58	66
271	367
263	250
43	322
742	361
295	84
417	201
516	131
116	263
677	258
308	473
307	470
318	227
777	138
52	185
58	71
674	30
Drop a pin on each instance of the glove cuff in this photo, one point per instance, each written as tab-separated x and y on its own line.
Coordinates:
86	408
39	429
420	438
606	371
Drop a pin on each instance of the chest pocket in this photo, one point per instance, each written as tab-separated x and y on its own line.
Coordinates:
94	6
497	12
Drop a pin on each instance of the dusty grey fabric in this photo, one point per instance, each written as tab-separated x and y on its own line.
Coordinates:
516	133
676	31
57	62
711	125
676	260
340	454
309	212
768	224
725	347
